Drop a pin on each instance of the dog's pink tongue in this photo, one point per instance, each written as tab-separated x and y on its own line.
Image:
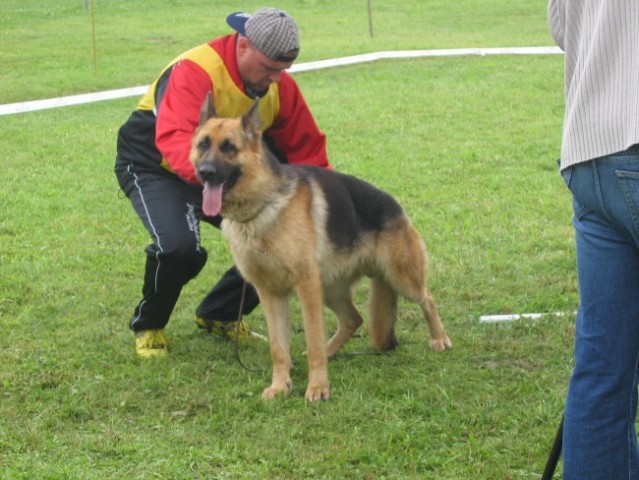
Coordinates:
212	199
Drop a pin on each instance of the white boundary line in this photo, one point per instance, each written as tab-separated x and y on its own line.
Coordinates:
13	108
519	316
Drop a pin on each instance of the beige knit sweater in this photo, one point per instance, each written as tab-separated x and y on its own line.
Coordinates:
600	39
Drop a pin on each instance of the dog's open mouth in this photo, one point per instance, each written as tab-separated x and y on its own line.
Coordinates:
212	199
216	184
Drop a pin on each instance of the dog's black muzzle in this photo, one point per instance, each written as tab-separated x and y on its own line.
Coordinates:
208	173
216	174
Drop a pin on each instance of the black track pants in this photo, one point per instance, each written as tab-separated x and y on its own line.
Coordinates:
170	210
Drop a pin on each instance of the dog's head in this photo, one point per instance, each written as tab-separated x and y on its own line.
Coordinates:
222	152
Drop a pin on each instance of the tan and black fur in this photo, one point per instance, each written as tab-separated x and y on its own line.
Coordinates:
312	232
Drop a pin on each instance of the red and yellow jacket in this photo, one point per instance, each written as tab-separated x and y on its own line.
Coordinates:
160	130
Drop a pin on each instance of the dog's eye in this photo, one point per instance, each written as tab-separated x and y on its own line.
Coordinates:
227	147
204	144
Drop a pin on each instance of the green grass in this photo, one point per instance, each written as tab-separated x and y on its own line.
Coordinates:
468	145
48	46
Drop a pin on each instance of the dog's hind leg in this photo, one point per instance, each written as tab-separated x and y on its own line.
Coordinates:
412	288
406	272
382	308
279	332
339	299
438	339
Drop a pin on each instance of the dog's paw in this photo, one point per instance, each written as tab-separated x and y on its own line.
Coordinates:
277	389
441	344
315	393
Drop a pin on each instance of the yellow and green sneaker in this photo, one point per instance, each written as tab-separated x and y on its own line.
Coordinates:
233	331
151	343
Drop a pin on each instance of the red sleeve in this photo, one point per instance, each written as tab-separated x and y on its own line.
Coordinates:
178	116
295	132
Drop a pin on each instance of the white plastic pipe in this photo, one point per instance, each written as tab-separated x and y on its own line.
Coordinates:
20	107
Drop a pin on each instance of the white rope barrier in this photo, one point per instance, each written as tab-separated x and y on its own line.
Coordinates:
519	316
21	107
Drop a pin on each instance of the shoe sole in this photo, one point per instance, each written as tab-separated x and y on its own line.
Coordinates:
152	353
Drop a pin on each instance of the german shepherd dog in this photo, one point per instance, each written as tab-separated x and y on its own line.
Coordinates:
314	232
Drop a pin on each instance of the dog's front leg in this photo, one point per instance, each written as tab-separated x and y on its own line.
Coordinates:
279	331
309	292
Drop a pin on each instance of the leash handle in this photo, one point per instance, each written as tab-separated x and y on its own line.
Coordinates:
555	453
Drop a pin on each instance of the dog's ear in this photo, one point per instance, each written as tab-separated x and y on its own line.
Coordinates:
208	109
251	120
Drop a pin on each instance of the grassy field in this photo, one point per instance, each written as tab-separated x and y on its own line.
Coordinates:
468	145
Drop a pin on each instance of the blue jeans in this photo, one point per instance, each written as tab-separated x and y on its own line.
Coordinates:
600	440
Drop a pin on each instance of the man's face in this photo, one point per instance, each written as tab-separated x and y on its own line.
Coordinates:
256	69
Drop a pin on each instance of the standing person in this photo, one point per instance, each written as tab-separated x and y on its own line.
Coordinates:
600	165
153	168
